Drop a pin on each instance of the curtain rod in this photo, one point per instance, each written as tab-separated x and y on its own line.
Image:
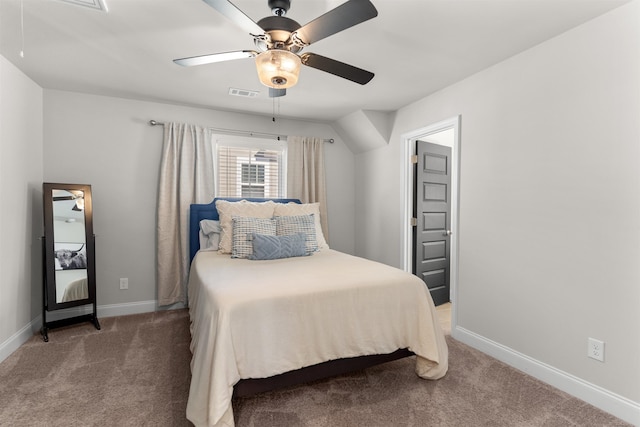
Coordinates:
242	132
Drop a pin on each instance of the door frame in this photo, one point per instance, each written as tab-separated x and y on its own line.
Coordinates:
408	149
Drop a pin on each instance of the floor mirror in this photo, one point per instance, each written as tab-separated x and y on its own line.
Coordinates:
69	274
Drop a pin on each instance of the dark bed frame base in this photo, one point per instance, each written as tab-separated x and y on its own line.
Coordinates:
249	387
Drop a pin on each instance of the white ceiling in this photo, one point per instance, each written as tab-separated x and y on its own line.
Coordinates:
414	47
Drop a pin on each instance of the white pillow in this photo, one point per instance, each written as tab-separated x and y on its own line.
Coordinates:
243	208
209	235
296	209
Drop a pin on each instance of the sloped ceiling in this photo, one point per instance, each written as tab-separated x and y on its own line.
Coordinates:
364	130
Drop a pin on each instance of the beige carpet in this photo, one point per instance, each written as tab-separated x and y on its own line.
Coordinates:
135	372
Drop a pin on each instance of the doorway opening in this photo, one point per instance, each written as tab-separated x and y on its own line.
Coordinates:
445	133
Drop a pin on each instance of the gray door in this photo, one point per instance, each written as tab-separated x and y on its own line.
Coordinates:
432	210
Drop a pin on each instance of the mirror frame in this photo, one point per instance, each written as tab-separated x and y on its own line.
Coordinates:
49	277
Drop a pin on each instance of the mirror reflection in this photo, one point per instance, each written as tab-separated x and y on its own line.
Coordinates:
70	245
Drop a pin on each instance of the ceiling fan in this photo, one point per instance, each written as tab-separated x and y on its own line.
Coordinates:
279	41
76	195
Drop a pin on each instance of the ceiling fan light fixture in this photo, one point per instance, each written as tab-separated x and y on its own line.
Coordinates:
278	69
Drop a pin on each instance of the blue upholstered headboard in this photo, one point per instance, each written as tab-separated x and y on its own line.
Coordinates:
208	211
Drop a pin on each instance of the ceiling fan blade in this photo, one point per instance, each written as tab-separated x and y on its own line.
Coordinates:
276	93
229	10
215	57
337	68
346	15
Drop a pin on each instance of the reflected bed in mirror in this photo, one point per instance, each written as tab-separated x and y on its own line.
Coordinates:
68	253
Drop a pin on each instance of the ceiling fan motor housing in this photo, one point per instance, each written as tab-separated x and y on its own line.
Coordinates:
278	31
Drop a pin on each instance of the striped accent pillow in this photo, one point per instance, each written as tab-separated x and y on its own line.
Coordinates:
276	247
243	228
287	225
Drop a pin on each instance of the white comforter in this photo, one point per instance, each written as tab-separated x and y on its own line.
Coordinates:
256	319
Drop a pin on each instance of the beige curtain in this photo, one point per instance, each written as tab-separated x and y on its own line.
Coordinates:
186	177
306	174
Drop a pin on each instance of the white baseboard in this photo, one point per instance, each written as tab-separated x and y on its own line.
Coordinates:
19	338
616	405
124	309
109	310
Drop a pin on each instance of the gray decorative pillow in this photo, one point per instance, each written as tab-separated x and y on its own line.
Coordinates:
286	225
276	247
243	228
209	235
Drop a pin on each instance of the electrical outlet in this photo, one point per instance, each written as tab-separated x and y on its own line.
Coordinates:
595	349
124	283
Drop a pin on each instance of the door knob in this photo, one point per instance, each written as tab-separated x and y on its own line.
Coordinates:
447	233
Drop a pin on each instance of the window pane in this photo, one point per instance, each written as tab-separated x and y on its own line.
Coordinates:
252	191
254	174
260	169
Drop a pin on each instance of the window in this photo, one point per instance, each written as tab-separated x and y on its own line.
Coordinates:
250	167
253	181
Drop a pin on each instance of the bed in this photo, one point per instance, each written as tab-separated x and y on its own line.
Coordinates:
265	323
78	289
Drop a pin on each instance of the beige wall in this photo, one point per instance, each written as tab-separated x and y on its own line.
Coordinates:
107	142
549	201
20	205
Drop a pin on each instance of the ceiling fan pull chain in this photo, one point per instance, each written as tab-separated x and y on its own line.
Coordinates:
22	28
274	114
